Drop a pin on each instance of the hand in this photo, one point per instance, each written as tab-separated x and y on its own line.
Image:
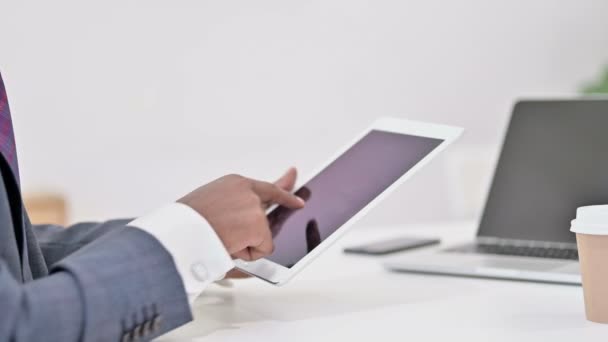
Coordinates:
235	207
236	274
287	182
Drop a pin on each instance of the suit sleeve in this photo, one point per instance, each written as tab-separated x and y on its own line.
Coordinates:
57	242
121	286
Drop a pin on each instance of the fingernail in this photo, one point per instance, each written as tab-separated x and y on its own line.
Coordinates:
302	201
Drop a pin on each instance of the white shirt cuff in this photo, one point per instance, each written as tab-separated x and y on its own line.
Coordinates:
198	253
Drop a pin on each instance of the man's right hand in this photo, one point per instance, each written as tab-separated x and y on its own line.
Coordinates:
235	207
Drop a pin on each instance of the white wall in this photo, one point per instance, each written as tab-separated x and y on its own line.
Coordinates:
125	105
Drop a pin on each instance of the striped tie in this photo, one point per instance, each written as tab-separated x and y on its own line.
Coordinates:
7	137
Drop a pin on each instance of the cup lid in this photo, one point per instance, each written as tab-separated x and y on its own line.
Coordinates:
591	220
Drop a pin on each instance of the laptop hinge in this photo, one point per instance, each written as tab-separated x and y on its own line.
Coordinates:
524	243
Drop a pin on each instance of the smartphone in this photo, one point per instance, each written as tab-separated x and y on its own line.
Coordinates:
392	246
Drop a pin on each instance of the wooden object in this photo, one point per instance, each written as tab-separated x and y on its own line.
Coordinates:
46	208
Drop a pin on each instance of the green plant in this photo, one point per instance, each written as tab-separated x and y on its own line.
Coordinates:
599	86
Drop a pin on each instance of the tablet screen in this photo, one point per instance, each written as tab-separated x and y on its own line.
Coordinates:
342	189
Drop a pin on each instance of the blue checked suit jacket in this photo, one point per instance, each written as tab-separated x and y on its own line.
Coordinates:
90	282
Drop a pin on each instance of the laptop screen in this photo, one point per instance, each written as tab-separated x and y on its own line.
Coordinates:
554	160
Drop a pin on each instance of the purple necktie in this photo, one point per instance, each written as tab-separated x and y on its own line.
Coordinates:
7	137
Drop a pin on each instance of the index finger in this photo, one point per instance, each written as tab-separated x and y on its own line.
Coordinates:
269	192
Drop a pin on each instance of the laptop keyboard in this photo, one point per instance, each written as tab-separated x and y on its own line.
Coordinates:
518	250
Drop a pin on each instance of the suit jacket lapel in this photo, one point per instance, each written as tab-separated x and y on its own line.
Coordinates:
13	194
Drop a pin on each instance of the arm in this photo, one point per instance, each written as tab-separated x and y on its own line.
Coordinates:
58	242
123	283
96	294
197	251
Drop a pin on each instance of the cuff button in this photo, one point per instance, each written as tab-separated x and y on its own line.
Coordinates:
199	271
157	323
149	327
128	337
140	330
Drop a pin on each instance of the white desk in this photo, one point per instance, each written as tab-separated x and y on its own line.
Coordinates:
352	298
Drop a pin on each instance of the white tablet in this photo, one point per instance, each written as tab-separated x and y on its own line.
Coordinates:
344	189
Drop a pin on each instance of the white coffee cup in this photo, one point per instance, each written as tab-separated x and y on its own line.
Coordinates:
591	228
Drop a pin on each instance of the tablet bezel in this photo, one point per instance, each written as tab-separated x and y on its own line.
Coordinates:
278	274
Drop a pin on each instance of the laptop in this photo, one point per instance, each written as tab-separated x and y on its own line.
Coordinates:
554	159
